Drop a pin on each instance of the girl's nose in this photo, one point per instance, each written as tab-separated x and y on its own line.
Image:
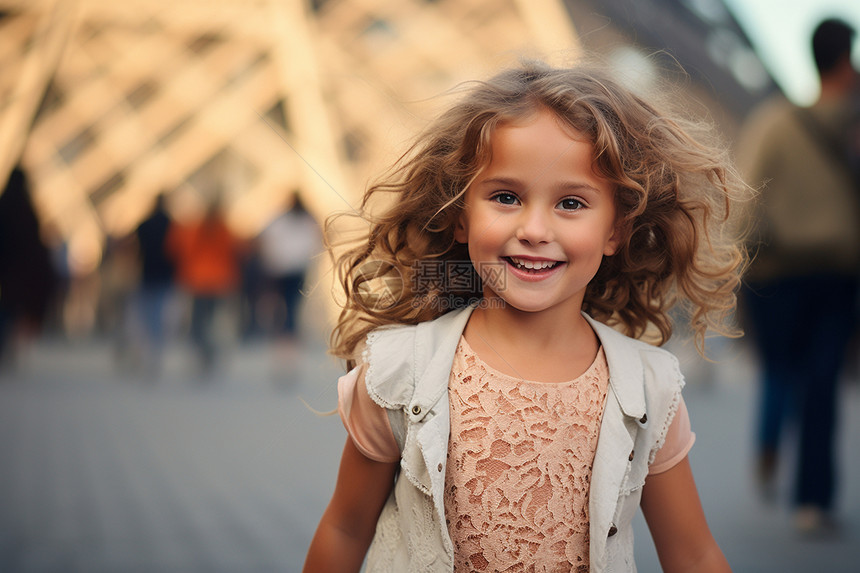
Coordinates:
534	227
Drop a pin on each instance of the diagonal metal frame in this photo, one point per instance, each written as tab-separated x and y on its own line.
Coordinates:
147	93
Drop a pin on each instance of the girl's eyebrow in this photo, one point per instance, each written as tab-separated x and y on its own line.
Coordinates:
578	186
502	181
519	184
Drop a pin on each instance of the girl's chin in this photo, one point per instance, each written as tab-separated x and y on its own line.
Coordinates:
495	302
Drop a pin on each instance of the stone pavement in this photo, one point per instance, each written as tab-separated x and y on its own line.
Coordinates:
101	471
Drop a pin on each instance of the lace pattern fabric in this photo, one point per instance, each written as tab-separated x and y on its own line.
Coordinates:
519	467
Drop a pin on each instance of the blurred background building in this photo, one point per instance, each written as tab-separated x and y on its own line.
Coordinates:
108	104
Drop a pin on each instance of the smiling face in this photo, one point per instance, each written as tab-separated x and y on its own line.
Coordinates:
538	212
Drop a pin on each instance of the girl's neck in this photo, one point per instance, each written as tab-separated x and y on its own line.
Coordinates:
539	346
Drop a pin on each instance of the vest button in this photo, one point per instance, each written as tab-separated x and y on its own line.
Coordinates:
416	409
643	419
612	530
630	457
439	468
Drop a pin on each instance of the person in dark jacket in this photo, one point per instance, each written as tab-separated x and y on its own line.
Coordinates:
156	281
27	278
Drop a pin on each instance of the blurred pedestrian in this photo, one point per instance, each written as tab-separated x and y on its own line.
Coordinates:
156	283
801	295
207	258
287	246
252	290
118	279
27	278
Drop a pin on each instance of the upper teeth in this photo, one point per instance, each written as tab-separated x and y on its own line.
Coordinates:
525	263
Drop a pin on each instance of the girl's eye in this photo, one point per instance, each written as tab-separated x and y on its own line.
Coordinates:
505	198
570	204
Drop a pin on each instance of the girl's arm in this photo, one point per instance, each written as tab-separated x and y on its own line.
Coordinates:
349	521
674	515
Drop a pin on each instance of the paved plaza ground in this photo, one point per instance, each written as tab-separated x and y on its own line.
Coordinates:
101	471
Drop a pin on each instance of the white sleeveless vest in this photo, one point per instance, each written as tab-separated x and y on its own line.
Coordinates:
408	371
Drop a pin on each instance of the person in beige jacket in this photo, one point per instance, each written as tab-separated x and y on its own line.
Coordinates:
801	292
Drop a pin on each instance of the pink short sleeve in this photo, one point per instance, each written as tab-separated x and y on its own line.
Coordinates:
679	441
366	421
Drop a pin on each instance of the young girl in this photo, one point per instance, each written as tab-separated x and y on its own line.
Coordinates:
496	423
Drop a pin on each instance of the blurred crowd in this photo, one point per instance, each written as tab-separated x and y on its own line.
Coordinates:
190	281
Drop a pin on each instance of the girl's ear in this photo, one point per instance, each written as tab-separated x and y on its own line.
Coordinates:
461	230
613	242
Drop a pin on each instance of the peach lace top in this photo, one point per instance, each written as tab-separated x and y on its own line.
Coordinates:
519	465
519	461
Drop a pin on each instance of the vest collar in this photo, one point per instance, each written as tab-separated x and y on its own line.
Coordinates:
626	376
436	343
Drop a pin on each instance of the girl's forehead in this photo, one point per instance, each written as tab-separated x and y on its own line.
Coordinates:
542	145
544	115
542	130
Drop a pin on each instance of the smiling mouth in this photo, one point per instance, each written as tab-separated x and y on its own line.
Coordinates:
530	265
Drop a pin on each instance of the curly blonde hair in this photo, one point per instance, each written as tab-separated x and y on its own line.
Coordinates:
675	198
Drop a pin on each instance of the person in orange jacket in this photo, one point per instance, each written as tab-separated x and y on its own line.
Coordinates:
207	256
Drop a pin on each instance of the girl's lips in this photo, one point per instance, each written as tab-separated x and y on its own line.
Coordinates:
531	274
